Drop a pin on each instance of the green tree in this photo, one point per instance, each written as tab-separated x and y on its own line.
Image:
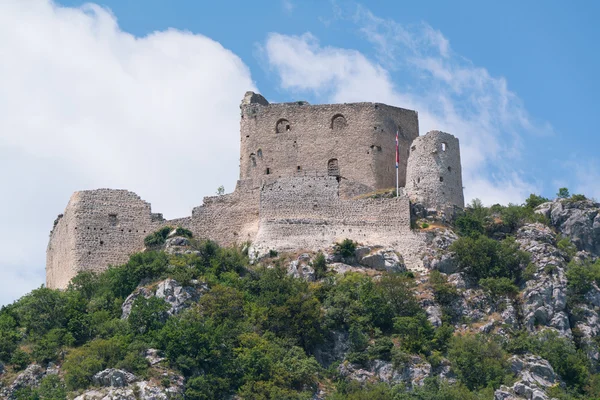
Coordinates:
563	193
478	361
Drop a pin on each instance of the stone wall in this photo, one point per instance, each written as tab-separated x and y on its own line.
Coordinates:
104	227
355	141
434	174
307	213
98	228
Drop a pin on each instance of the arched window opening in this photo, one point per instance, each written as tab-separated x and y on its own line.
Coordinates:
333	168
259	153
253	159
441	179
444	146
298	168
283	125
449	169
338	122
268	171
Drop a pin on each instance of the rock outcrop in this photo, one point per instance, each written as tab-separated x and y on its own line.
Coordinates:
178	297
577	220
534	376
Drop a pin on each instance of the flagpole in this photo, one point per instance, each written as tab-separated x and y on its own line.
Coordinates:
397	161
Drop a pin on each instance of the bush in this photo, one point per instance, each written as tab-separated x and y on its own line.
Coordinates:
468	225
578	197
415	333
497	287
158	238
424	225
346	248
184	232
478	361
565	245
486	258
533	201
319	265
563	193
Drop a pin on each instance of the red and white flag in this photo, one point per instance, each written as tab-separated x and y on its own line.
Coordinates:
397	151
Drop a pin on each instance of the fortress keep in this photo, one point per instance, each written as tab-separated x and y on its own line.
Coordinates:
306	172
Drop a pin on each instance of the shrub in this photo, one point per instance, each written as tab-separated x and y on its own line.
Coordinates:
157	238
486	258
534	200
468	225
273	253
183	232
565	245
497	287
563	193
346	248
20	359
578	197
424	225
320	265
478	361
415	333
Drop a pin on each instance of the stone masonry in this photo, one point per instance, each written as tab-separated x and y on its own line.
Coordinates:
305	175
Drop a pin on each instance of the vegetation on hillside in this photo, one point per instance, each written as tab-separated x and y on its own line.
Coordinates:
258	332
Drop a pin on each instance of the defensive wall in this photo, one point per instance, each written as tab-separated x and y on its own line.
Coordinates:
302	168
307	212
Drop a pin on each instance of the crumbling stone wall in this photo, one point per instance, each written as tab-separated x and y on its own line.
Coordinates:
308	213
99	228
434	175
104	227
290	139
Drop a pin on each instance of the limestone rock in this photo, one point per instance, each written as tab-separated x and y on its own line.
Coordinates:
545	296
177	296
31	377
412	373
301	268
153	357
384	260
534	376
577	220
113	378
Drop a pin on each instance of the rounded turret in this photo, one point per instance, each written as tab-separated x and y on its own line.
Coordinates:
433	172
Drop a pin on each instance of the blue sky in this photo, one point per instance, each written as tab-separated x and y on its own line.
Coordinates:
144	95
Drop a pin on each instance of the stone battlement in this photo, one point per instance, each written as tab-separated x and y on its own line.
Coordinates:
302	170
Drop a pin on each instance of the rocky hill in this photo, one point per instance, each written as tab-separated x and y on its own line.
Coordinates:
508	309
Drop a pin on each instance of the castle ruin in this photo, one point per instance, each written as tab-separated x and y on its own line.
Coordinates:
305	175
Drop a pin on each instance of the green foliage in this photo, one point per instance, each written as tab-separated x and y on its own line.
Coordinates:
498	287
158	238
415	332
534	200
468	224
578	197
221	190
566	246
445	294
52	388
486	258
580	278
183	232
424	225
273	253
346	248
478	361
82	363
563	193
20	359
319	265
148	314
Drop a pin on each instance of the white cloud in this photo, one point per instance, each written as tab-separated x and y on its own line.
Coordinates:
448	91
85	105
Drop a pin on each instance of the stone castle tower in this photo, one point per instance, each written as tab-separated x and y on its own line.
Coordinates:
305	175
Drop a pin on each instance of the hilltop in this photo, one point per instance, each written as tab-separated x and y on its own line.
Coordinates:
506	308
